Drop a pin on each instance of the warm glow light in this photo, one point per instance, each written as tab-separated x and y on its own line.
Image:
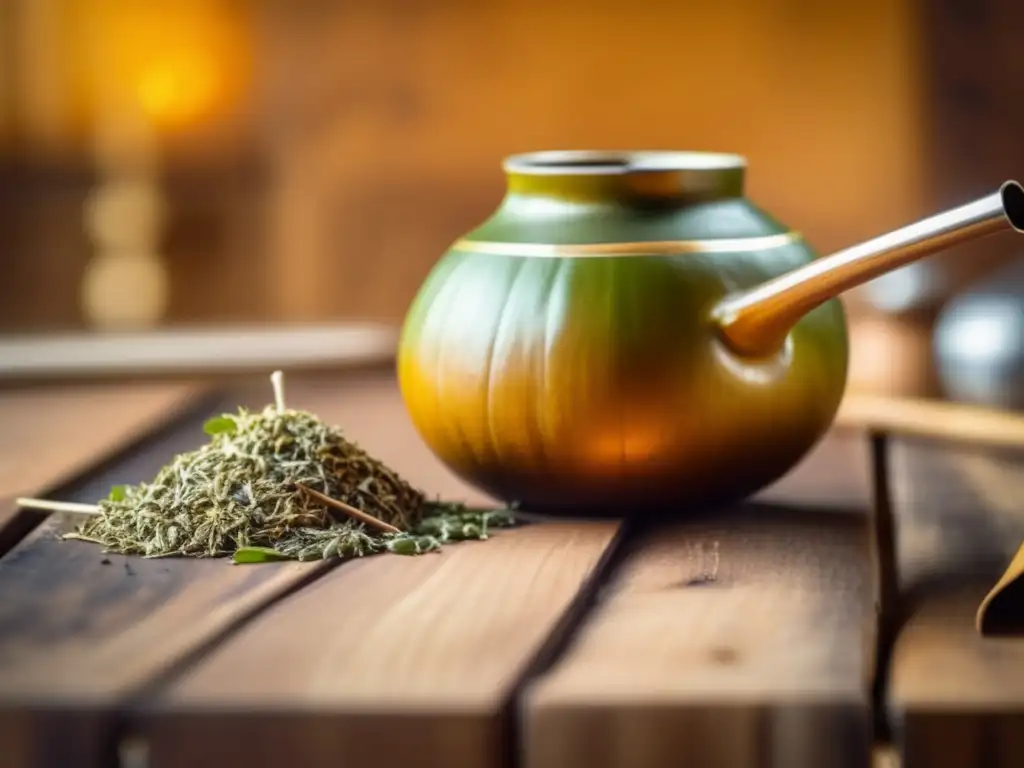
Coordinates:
179	62
177	90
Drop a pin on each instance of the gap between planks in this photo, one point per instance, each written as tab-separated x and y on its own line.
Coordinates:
435	649
769	663
241	620
80	630
951	696
955	698
98	426
432	648
157	632
150	621
884	547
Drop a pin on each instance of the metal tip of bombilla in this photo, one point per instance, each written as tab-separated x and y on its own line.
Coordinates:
1012	195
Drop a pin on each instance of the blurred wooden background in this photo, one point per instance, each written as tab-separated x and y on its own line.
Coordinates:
348	143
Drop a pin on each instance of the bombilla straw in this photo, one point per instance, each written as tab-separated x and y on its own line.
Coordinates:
755	323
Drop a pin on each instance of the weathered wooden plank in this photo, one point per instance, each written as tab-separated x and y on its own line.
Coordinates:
112	631
197	351
81	633
52	433
743	640
389	661
48	435
956	698
431	648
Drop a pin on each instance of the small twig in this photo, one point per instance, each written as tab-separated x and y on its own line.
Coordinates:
349	510
59	506
277	382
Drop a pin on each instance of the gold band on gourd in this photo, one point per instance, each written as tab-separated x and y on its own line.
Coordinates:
645	248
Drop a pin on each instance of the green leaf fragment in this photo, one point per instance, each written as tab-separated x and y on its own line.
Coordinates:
220	425
258	555
413	545
405	545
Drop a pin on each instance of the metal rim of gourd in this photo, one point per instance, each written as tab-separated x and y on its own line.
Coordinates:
587	162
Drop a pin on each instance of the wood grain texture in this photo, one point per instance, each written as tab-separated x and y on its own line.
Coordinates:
956	698
389	661
958	510
768	664
81	633
401	650
48	435
381	642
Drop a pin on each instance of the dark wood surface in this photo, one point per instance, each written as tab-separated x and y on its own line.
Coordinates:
430	648
955	697
726	642
81	632
51	435
559	643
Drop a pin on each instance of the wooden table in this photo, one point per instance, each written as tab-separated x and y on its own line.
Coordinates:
746	638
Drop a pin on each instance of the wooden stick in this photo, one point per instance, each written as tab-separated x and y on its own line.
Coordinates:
942	420
59	506
351	511
277	382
